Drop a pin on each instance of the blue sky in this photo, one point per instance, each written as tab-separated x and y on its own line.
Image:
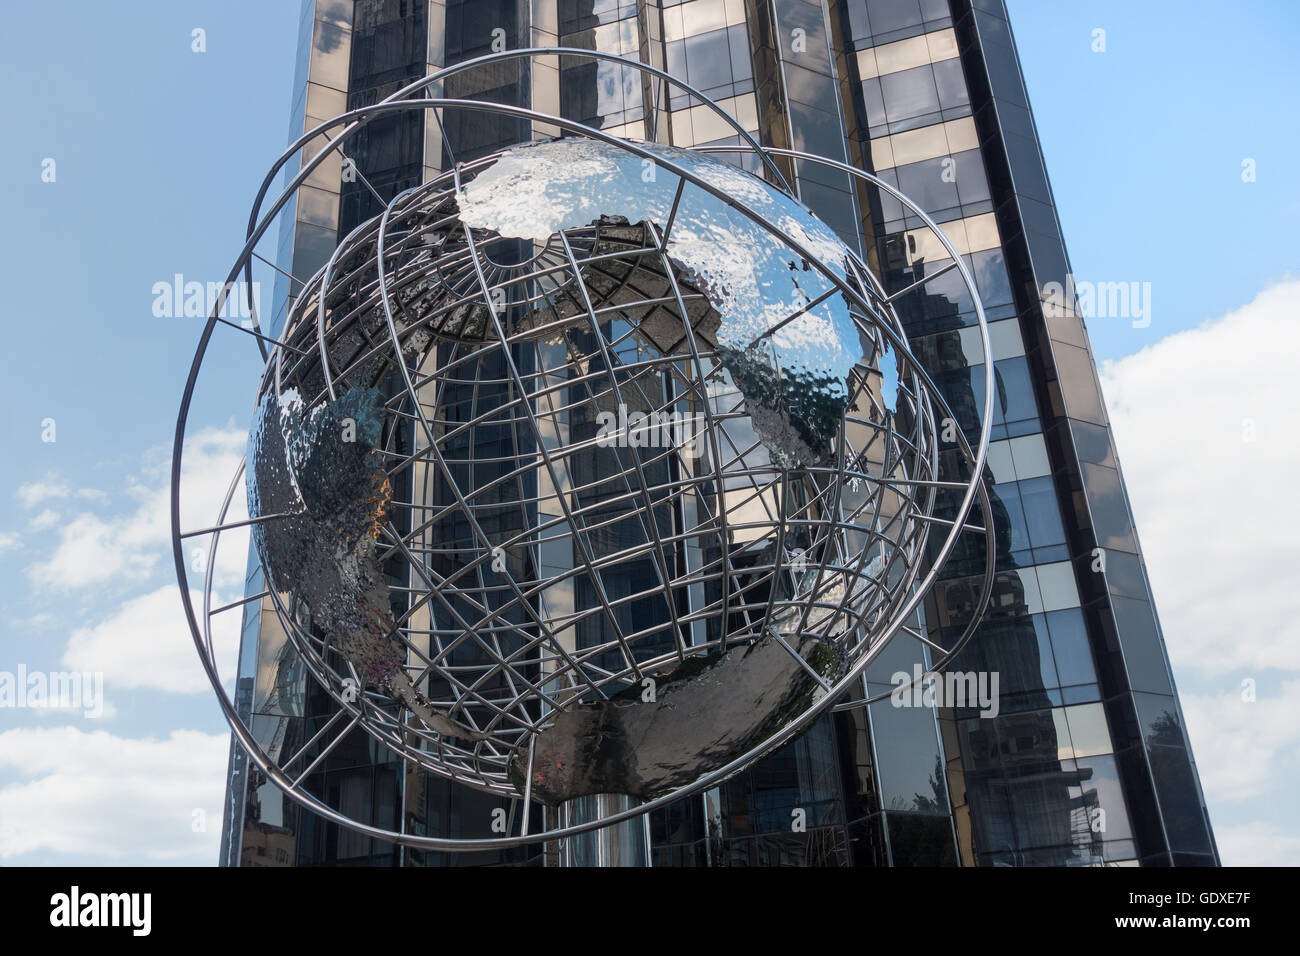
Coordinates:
1144	145
158	152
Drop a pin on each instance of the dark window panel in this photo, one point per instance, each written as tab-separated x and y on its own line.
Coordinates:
1101	789
1078	384
1080	694
312	247
1048	258
951	84
909	93
1027	167
1074	661
1013	514
1180	804
886	16
1144	656
1139	792
1013	400
818	132
742	61
873	102
1039	218
867	842
1125	576
792	15
1042	513
925	184
1000	61
1092	443
989	267
1109	508
917	839
909	768
708	60
972	184
857	762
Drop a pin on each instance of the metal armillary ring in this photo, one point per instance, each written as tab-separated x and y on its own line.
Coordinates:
586	467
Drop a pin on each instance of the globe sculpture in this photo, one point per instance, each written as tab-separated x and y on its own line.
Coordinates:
589	469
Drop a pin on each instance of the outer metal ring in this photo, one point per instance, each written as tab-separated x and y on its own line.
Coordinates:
974	456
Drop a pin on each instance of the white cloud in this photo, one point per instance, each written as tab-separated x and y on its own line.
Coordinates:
1209	444
48	488
106	711
94	551
53	488
9	540
48	518
106	798
1244	749
1257	844
146	643
95	796
1218	519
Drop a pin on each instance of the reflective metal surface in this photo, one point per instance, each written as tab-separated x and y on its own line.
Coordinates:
623	844
317	473
779	544
782	330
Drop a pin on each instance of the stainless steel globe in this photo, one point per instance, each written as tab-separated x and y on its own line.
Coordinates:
591	466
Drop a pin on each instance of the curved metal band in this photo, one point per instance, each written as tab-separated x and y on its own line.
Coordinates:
424	83
202	636
990	558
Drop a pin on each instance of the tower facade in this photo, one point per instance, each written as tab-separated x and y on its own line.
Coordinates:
1076	753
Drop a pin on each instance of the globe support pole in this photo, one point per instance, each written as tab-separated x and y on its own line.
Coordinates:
626	843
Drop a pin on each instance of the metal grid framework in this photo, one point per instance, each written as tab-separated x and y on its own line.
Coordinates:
468	335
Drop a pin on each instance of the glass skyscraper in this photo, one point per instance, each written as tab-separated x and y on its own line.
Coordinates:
1087	761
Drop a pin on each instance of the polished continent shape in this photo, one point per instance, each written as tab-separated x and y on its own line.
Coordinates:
784	332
